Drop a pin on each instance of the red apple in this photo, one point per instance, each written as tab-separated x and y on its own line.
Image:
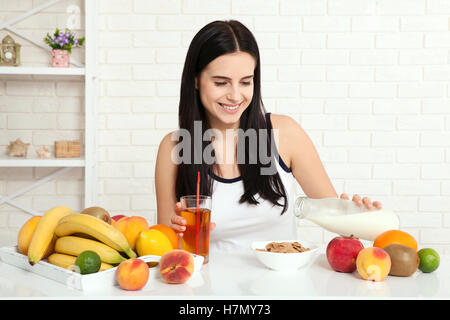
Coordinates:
117	217
342	253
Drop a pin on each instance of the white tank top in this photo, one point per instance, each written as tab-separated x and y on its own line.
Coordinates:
238	225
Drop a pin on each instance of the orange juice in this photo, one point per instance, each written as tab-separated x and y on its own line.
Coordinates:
196	236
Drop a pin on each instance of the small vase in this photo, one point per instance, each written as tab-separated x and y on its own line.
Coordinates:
60	58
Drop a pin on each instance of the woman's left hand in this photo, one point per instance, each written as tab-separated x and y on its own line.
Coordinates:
364	201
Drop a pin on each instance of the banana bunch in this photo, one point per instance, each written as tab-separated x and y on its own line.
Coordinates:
66	261
76	233
102	231
44	233
74	246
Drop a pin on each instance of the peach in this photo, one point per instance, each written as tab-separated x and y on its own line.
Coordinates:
176	266
131	227
132	274
116	218
373	264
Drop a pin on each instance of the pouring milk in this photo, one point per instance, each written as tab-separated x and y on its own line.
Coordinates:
345	218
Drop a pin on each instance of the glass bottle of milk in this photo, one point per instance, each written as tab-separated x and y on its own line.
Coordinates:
345	218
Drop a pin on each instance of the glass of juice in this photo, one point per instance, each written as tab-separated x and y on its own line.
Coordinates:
196	236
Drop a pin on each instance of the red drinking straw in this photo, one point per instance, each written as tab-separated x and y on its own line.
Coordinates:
197	214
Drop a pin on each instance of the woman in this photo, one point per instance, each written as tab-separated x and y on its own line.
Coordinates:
221	90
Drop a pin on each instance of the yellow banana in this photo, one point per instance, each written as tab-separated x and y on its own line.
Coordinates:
44	233
65	261
75	245
95	227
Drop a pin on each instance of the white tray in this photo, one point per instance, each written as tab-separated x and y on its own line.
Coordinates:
86	282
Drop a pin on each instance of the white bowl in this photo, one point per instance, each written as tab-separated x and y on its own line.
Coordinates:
284	261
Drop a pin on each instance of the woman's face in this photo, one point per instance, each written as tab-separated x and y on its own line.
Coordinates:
226	88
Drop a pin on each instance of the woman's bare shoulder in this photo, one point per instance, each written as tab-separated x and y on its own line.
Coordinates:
170	138
287	126
291	137
166	146
169	141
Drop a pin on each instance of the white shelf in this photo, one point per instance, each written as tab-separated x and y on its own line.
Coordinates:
43	71
52	162
87	74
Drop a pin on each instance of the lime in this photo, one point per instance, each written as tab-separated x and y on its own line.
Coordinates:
429	260
88	262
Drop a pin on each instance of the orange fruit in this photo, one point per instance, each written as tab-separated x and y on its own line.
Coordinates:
26	233
395	237
169	232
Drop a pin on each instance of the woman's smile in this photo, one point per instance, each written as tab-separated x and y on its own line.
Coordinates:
230	108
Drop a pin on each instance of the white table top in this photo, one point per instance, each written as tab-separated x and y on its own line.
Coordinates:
242	276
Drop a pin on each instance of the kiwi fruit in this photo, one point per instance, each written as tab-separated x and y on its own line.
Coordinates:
404	260
99	213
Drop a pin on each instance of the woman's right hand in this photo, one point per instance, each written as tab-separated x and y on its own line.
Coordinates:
179	223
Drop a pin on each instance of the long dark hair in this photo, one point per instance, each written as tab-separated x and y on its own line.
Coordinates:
213	40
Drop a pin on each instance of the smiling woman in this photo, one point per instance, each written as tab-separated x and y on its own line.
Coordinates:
221	92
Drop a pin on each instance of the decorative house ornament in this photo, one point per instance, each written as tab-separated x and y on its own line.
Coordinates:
17	148
9	52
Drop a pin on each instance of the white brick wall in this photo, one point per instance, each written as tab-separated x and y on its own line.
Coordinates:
367	79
